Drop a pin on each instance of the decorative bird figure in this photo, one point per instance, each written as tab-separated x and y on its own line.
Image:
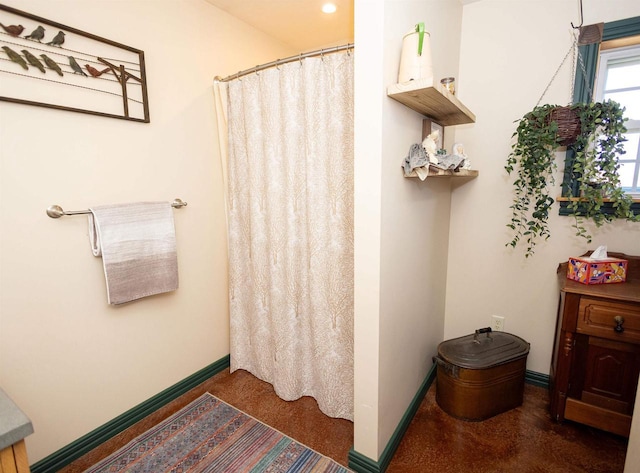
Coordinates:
51	64
34	61
57	39
75	66
95	72
36	34
15	57
13	30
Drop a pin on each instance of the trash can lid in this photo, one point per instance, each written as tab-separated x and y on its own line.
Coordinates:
483	349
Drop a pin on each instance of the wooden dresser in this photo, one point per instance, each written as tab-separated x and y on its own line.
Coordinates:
596	354
14	427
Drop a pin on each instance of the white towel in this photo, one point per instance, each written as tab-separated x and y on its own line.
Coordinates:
137	242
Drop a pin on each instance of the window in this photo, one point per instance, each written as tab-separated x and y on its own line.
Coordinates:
612	70
619	79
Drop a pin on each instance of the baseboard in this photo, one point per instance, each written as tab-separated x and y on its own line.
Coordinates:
363	464
357	462
83	445
537	379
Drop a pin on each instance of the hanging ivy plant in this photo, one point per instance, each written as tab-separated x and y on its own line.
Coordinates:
597	142
595	167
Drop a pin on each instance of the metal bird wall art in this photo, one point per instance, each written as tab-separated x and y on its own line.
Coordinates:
34	61
13	30
95	72
58	40
37	34
51	64
75	66
55	66
15	57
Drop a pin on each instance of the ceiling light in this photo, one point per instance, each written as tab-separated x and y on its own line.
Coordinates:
329	8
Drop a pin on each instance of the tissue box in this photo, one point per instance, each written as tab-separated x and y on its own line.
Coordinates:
597	271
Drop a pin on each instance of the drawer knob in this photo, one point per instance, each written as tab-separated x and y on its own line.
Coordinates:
619	320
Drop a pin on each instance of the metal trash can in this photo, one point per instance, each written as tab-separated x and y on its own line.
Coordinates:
481	375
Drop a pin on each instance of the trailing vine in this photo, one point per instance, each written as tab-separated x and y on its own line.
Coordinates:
533	159
595	167
597	147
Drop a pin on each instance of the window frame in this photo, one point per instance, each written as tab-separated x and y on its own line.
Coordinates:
590	53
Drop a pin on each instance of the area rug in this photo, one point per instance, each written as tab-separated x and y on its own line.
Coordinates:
210	436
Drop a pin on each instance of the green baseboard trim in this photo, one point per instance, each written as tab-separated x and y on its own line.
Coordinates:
363	464
88	442
537	379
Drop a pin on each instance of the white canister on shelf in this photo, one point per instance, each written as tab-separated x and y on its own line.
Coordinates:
415	60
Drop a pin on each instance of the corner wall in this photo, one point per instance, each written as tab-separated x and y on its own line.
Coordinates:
69	360
510	51
401	225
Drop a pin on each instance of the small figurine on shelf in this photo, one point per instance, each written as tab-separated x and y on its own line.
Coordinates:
430	146
458	150
416	161
449	162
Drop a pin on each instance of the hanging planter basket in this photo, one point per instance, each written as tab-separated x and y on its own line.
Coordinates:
568	124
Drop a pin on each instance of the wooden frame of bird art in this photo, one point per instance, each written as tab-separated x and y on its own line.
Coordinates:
47	64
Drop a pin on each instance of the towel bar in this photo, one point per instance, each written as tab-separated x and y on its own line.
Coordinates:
55	211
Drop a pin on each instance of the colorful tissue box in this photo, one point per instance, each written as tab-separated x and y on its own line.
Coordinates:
601	271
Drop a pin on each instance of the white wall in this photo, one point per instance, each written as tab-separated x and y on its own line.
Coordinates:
509	53
402	224
69	360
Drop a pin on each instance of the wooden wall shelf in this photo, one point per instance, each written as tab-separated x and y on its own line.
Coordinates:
434	172
439	105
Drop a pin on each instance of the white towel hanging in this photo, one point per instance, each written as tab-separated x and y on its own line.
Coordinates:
137	243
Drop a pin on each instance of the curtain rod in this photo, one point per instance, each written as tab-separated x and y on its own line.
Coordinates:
278	62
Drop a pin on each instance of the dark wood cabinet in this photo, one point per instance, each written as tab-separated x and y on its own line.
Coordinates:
596	355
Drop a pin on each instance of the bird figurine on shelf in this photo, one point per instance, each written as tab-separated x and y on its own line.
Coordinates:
95	72
36	34
13	30
51	64
75	66
57	40
15	57
34	61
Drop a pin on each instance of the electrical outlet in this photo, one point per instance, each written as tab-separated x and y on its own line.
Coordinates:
497	323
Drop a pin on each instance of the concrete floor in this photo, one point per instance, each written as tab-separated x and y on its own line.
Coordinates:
520	440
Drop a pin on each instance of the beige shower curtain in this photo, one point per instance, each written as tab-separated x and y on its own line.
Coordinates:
290	220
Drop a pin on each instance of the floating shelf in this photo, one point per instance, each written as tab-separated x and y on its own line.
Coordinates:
441	106
435	172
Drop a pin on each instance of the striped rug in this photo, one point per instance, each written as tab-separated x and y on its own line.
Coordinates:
210	436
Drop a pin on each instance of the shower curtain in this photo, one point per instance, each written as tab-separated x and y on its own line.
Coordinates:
290	227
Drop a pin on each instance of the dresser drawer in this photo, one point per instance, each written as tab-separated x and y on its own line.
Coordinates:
598	317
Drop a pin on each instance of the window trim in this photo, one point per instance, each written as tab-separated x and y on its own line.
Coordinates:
590	54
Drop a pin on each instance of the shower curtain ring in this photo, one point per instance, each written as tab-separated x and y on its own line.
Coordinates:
256	71
300	59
